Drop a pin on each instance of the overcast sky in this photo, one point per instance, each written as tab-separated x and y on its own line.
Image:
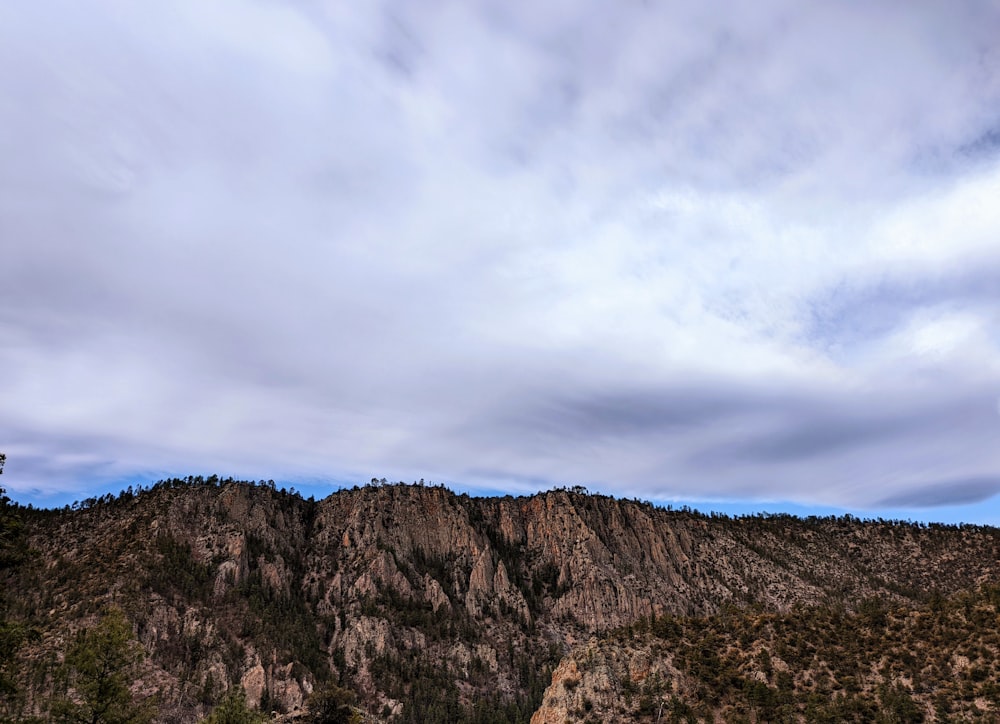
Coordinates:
674	250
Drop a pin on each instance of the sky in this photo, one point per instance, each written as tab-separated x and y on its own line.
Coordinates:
735	252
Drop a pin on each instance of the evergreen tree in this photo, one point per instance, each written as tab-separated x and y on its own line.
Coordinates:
234	710
332	704
10	528
102	663
12	634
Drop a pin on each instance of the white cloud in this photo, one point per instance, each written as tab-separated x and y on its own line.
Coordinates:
295	239
946	226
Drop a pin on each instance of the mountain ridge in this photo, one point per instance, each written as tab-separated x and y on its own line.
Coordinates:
430	605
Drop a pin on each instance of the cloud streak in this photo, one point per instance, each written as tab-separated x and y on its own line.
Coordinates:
659	249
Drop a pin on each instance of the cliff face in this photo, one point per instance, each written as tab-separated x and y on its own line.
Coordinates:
608	680
421	600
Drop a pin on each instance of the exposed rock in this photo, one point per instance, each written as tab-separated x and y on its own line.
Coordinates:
253	682
559	698
435	594
480	584
238	583
590	683
287	690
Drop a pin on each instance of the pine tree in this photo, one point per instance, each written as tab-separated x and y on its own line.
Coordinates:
332	704
234	710
12	634
102	664
10	528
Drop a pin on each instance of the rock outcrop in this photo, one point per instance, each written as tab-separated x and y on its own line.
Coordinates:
386	586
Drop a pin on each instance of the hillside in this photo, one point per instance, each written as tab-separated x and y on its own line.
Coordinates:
812	664
430	606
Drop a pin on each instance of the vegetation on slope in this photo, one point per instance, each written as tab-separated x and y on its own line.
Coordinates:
880	663
424	605
100	667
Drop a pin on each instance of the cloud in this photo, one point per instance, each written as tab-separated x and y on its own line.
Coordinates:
664	249
861	309
946	492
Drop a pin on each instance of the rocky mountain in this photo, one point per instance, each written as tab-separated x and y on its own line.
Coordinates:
432	606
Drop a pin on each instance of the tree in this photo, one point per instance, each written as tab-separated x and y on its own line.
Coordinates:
12	634
332	704
234	710
102	663
11	538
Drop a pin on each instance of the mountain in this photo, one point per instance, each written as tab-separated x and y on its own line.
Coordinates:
432	606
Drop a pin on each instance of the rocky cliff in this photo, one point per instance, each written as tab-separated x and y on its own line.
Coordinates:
431	606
